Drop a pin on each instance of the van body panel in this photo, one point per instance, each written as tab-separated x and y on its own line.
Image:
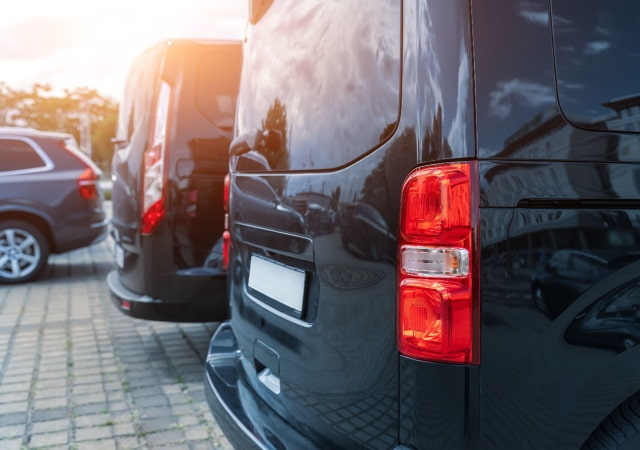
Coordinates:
179	264
558	224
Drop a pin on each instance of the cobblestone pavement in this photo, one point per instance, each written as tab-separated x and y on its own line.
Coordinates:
75	373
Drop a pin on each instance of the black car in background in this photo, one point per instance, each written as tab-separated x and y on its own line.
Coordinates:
49	201
175	124
488	136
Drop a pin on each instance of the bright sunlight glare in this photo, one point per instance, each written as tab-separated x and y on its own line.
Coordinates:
71	43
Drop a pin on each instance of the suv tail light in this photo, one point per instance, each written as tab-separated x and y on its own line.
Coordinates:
438	310
226	235
88	179
87	184
153	178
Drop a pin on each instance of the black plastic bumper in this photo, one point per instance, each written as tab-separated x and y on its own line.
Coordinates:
246	420
214	309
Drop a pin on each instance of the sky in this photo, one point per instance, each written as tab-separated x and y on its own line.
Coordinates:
85	43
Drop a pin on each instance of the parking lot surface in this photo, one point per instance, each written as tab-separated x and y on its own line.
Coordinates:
76	373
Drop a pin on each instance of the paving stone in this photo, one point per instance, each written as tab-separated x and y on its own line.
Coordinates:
50	426
11	444
49	439
168	438
92	420
124	429
49	414
11	431
92	433
15	407
12	419
93	408
128	443
196	434
47	403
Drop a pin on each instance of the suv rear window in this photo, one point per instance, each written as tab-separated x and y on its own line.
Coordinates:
18	155
341	78
597	51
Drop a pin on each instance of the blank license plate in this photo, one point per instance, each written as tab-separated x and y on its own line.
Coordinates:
280	283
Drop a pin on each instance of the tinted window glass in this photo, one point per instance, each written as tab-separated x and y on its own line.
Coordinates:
598	62
18	155
324	74
218	75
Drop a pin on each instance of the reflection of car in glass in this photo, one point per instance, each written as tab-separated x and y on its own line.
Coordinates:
175	125
49	201
447	119
364	231
564	277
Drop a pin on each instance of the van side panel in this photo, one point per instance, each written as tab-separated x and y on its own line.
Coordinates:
560	216
132	135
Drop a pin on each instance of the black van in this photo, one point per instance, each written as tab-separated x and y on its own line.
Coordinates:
496	146
175	124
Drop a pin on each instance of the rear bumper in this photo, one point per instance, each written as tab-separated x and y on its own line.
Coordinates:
93	234
209	308
246	420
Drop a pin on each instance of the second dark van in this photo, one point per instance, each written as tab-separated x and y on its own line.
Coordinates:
175	124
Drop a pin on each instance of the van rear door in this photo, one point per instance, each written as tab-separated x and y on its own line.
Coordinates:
314	317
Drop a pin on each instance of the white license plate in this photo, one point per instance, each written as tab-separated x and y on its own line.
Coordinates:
118	255
280	283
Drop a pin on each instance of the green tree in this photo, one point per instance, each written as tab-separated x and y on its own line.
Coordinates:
82	111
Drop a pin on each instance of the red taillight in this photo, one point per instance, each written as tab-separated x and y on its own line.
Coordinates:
87	184
226	235
438	311
225	193
226	247
153	176
152	216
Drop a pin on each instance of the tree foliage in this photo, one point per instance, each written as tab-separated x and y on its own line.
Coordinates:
83	112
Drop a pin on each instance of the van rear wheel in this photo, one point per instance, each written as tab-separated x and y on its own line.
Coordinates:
621	430
24	251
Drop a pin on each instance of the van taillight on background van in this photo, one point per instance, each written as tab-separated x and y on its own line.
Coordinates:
153	208
226	235
438	311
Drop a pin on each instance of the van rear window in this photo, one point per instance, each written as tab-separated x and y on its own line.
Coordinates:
217	85
324	74
597	49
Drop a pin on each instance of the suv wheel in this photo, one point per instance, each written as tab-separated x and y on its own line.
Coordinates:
23	251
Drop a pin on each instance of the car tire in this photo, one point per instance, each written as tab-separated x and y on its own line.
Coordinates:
621	430
24	251
538	297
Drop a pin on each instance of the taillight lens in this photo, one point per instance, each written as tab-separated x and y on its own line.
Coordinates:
226	235
225	193
87	184
438	311
226	248
153	179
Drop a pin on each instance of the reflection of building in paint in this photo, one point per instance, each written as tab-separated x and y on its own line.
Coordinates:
627	111
549	138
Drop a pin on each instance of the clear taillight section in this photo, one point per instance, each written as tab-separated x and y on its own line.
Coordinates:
438	311
153	179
